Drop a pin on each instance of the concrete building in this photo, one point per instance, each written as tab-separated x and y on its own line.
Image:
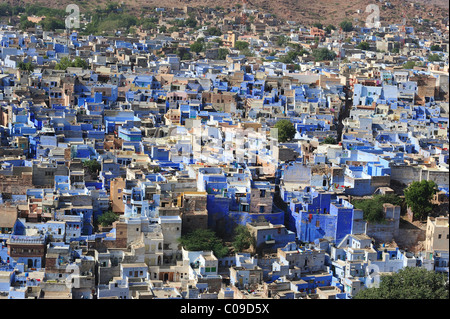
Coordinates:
437	234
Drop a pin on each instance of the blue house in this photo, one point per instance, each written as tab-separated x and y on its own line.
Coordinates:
315	215
146	81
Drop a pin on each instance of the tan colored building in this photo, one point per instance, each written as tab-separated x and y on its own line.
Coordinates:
261	200
8	217
117	186
194	214
437	234
172	117
229	39
328	292
35	19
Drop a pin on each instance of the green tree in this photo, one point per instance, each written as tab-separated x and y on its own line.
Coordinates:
409	283
213	31
112	7
65	63
247	52
173	29
204	239
395	50
191	22
409	65
292	55
318	25
5	10
197	47
25	66
418	196
282	40
185	56
241	45
435	47
80	63
107	218
434	58
329	140
38	10
363	45
286	130
222	54
329	28
148	24
373	208
346	26
156	169
218	41
323	54
243	239
52	24
92	166
25	23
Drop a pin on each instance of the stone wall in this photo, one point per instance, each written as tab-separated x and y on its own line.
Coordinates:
408	174
15	185
214	284
383	233
409	238
106	274
380	181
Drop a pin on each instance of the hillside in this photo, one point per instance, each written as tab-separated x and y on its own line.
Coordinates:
323	11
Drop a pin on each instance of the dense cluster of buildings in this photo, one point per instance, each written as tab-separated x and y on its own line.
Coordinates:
190	144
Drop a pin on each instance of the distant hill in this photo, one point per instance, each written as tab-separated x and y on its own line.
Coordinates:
304	11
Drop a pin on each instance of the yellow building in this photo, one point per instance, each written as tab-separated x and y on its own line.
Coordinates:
229	39
437	234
